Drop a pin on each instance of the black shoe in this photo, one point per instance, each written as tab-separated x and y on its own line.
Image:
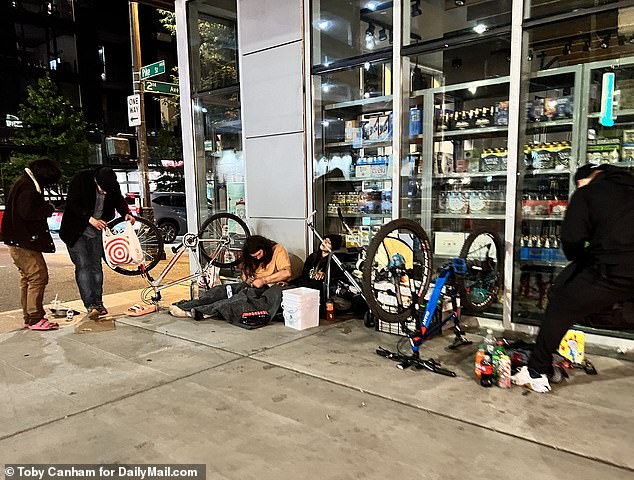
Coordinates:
196	315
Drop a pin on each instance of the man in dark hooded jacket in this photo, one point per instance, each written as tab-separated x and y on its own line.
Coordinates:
597	236
25	231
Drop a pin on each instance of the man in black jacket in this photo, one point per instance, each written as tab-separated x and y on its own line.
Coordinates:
93	197
25	231
597	236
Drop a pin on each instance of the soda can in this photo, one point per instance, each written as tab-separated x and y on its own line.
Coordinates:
504	371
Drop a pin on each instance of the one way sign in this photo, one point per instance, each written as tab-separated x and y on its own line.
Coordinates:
134	110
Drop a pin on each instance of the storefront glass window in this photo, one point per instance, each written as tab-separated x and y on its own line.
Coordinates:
563	126
453	170
349	28
353	165
428	20
216	104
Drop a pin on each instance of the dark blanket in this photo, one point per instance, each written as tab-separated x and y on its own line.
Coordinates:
216	302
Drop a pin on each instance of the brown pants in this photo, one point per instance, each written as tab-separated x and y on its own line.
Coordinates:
34	277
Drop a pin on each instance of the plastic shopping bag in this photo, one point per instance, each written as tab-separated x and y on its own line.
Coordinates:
122	248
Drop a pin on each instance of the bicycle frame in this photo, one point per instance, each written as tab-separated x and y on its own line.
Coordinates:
190	243
446	281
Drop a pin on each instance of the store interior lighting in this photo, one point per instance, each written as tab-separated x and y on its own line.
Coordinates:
530	56
605	41
369	36
372	5
460	3
382	35
324	24
480	28
416	11
587	45
567	48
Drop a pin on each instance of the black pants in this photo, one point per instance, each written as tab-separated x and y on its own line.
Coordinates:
575	293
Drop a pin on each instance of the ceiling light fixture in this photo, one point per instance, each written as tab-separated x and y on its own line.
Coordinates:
480	28
416	11
567	48
605	41
460	3
369	37
530	56
587	45
372	5
324	24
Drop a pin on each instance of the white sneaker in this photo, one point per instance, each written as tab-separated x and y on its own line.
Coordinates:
175	311
523	378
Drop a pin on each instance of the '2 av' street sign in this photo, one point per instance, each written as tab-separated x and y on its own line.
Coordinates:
150	86
153	69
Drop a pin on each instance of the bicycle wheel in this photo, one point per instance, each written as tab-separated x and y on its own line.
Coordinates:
482	253
151	240
221	238
397	270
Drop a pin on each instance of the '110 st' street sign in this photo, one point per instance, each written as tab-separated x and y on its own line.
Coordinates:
150	86
153	70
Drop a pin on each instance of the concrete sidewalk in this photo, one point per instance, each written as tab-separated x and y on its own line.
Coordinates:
275	403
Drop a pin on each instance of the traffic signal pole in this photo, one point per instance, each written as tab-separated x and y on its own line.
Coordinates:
141	132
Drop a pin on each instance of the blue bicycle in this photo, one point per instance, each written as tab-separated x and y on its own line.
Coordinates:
396	278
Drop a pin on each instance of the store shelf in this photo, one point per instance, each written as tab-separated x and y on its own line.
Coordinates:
544	263
358	179
362	215
492	216
472	132
546	218
565	122
548	171
626	112
362	144
471	174
377	103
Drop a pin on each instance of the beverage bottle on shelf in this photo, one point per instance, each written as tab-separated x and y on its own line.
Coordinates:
497	353
486	368
489	342
478	361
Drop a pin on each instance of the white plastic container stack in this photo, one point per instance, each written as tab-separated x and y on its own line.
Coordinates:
301	308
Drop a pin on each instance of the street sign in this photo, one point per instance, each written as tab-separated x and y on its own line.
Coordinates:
150	86
134	110
153	70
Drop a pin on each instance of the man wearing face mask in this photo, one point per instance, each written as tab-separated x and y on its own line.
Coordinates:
597	236
93	197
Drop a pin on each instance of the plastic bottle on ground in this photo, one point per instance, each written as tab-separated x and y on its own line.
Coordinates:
486	367
478	361
489	342
497	353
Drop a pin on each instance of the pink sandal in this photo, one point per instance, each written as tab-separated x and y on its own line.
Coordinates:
44	325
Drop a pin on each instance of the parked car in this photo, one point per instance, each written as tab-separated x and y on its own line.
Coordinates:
170	214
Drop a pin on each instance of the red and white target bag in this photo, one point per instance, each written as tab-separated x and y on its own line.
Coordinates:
122	248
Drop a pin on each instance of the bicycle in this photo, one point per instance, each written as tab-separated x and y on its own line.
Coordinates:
396	277
220	238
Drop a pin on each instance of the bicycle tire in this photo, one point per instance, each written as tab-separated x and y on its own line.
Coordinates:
151	240
213	226
375	266
478	301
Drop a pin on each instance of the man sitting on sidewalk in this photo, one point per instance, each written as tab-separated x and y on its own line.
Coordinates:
597	236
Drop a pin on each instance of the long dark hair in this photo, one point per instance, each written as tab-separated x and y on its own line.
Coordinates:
251	246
